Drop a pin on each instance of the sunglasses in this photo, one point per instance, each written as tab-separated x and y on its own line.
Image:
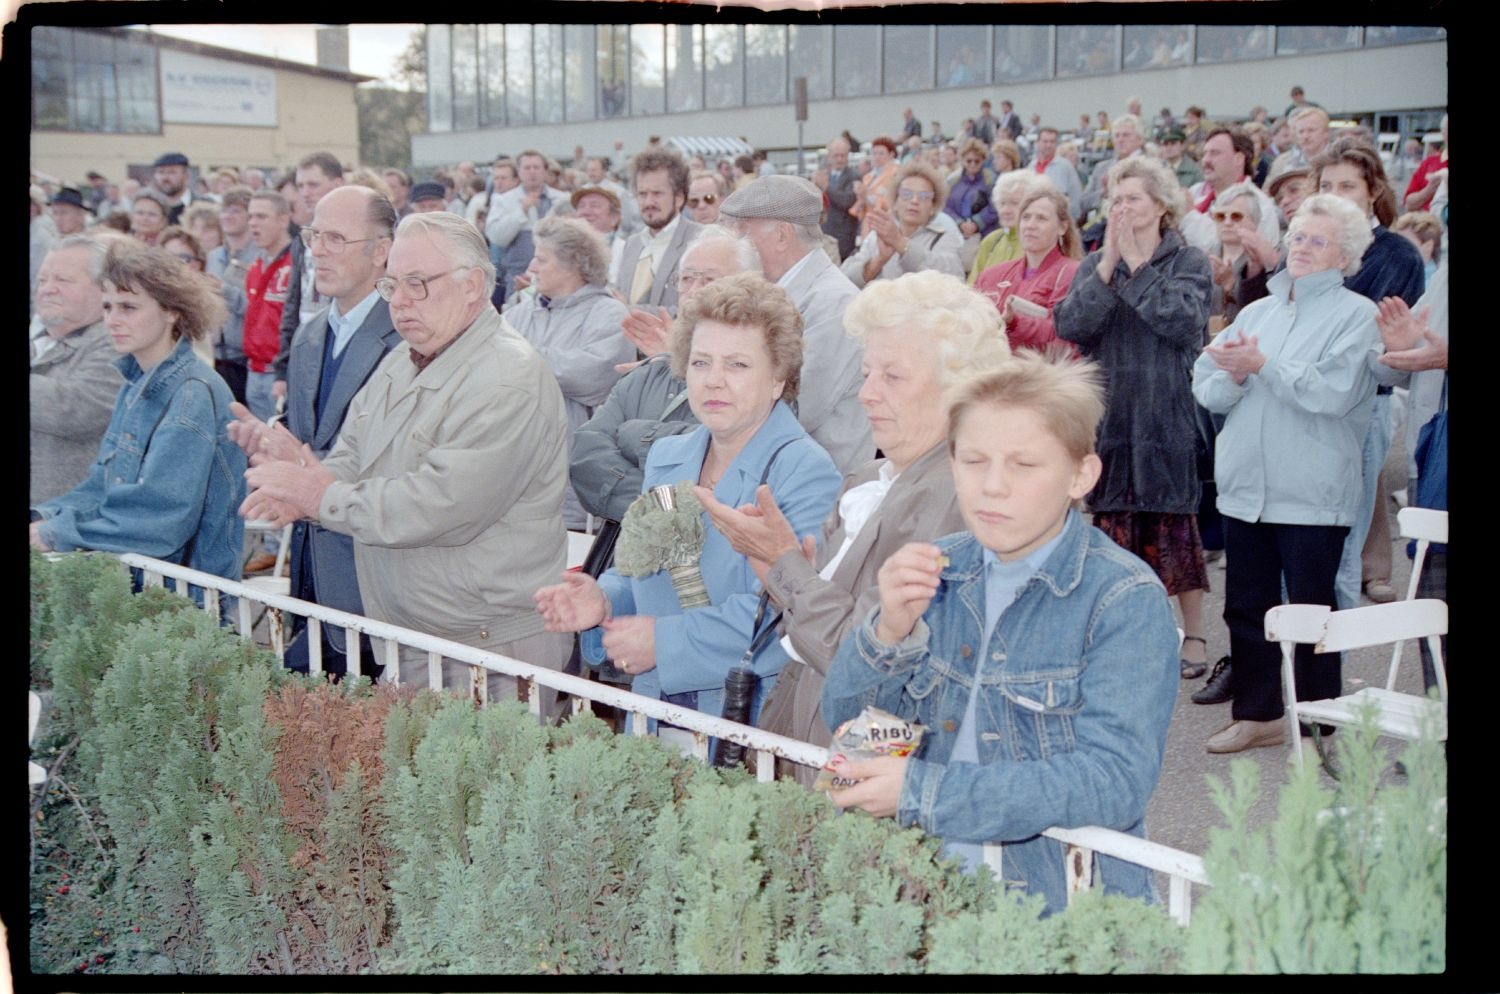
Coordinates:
706	199
1234	217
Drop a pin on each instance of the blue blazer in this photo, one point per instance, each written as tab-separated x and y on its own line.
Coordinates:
695	649
332	582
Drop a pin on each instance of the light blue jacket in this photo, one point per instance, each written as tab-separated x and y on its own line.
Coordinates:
168	481
1289	452
1076	688
696	649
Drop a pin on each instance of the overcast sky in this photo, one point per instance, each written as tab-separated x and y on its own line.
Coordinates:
372	47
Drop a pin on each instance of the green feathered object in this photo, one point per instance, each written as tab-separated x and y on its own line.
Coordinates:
663	530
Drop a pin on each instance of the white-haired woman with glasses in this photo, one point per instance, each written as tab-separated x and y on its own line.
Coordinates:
574	322
907	238
1293	377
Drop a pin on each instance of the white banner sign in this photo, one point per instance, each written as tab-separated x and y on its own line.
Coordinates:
200	90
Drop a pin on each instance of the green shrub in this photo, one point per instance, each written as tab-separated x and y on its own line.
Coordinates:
248	821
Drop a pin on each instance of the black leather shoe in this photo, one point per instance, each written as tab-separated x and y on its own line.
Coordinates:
1216	690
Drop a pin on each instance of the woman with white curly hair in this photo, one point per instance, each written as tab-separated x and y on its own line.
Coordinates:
1293	377
923	333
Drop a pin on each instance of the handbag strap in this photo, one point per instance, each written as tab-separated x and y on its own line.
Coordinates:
763	630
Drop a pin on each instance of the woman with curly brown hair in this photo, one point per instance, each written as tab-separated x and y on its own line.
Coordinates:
168	480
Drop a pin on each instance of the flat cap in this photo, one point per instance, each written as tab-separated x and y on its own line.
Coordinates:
170	159
1282	178
428	191
601	191
776	198
68	195
92	175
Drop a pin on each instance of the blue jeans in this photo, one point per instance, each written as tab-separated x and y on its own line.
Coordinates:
1377	447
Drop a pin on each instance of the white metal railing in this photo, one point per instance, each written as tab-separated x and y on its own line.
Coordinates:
1182	868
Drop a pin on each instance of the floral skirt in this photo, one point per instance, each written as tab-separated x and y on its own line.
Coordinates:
1169	543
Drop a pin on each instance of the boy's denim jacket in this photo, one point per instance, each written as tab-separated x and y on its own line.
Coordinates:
1075	697
168	481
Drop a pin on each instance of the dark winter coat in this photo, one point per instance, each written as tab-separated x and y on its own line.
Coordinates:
1145	330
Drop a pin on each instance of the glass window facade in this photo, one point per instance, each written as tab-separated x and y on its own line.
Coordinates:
1087	49
1022	52
648	70
724	72
466	76
1156	46
908	58
1233	43
856	52
547	57
684	67
1375	37
579	71
89	81
1299	39
960	56
494	75
614	68
765	64
810	52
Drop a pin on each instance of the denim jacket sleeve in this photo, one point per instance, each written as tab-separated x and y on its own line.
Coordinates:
1128	685
153	506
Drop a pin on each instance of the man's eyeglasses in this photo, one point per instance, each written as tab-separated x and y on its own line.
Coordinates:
332	240
1316	242
1234	217
415	286
706	199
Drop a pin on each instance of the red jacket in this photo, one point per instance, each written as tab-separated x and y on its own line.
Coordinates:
265	296
1047	286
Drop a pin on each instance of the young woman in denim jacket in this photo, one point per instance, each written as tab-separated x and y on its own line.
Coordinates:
1039	656
168	480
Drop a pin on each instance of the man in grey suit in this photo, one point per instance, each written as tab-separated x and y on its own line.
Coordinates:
779	216
514	213
837	183
648	264
332	356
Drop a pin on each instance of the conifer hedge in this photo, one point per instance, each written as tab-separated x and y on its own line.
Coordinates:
226	816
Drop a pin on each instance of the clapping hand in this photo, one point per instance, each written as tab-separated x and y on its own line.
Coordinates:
759	531
650	333
260	441
574	605
1409	343
1239	356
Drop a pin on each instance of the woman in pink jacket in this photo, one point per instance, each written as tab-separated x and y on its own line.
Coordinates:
1026	289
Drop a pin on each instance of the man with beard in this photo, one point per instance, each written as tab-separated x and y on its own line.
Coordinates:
169	174
648	265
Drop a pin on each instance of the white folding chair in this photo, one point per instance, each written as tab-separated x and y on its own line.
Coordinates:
1426	526
1406	716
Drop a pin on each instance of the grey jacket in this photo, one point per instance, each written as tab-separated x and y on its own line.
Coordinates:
933	247
231	271
609	450
332	581
579	336
73	389
828	399
451	484
818	613
664	282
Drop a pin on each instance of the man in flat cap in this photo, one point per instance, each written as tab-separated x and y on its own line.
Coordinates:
68	212
427	197
779	216
169	174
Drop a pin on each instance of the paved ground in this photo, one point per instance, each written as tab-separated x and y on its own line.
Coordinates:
1182	809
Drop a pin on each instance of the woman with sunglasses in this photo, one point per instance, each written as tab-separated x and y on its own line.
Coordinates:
907	238
706	193
1240	267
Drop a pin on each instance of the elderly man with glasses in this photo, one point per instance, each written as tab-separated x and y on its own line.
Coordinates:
450	469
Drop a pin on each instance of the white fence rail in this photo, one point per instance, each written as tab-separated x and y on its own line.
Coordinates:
1182	868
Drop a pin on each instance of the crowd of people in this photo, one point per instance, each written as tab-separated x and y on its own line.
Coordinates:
962	419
